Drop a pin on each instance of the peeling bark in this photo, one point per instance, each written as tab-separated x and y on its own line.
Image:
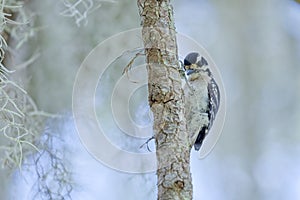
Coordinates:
166	100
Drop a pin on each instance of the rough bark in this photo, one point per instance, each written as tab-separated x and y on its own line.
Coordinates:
166	100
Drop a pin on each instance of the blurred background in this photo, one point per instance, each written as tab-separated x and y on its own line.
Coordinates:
256	46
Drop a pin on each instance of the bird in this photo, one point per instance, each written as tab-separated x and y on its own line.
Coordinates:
202	98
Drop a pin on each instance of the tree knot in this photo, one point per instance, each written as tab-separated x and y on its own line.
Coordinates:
179	184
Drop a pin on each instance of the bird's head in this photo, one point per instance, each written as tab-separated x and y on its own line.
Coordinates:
193	62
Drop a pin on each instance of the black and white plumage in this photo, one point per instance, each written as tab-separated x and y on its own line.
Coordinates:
202	98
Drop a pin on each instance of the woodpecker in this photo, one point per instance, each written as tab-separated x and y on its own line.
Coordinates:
202	98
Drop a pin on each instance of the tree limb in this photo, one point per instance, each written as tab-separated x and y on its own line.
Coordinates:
166	100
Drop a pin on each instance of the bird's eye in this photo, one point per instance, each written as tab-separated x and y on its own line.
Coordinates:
186	63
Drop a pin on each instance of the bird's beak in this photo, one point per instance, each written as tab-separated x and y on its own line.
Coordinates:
189	71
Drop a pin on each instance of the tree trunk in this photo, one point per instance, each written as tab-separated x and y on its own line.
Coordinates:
166	100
